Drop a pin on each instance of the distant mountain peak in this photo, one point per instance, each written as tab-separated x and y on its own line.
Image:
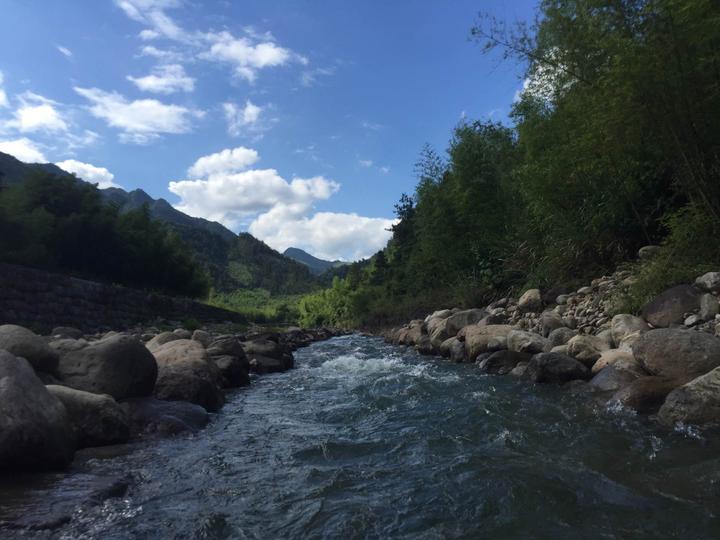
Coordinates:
316	265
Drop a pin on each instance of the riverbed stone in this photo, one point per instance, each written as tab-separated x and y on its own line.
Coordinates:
530	301
160	340
520	370
527	342
677	353
644	395
158	417
66	332
709	307
609	357
438	332
556	368
202	336
696	403
624	324
118	365
185	373
550	321
96	419
613	378
587	349
35	431
561	336
461	319
20	341
478	338
709	282
670	306
503	362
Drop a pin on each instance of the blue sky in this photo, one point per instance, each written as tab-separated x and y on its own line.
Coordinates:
299	121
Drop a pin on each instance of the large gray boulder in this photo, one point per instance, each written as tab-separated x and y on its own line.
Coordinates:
709	307
669	307
150	416
227	353
555	368
677	353
613	378
644	395
527	342
118	365
551	321
438	332
20	341
561	336
480	339
503	362
587	349
35	432
623	325
185	373
610	357
270	357
160	340
96	419
709	282
530	301
462	319
696	403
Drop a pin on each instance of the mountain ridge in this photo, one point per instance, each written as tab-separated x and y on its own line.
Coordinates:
316	265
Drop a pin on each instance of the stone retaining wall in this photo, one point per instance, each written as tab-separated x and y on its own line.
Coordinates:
42	300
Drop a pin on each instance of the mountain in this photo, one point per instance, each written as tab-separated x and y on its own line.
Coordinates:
233	261
316	266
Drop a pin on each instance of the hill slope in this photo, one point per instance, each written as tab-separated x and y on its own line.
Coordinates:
316	266
232	261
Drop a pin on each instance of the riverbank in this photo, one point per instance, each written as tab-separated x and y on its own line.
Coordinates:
69	390
664	363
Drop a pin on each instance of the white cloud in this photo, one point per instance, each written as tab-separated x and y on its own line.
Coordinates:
64	50
3	96
310	76
165	80
23	149
328	235
161	54
37	113
152	13
385	170
90	173
241	119
246	56
141	120
366	162
148	35
227	161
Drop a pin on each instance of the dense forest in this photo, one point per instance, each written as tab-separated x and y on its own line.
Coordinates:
61	224
614	143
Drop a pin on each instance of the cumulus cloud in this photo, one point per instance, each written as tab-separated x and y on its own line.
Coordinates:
23	149
3	96
64	51
243	118
161	54
152	13
247	56
226	161
37	113
329	235
141	120
90	173
165	80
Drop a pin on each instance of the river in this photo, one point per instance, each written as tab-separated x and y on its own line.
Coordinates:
366	440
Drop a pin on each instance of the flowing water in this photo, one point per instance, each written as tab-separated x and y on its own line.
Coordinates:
366	440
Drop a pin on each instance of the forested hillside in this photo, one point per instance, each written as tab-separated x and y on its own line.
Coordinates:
614	144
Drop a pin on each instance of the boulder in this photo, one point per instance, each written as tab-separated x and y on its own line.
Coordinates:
479	338
709	307
264	364
628	341
160	340
433	322
24	343
118	365
550	321
696	403
709	282
182	333
606	337
438	332
35	431
203	337
446	346
96	419
503	362
66	332
527	342
530	301
623	325
424	346
562	349
551	295
154	416
644	395
185	373
613	378
439	314
416	330
520	370
584	291
669	307
264	350
556	368
677	353
608	358
561	336
457	351
587	349
462	319
233	371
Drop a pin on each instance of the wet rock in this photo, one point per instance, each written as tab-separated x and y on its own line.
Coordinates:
158	417
530	301
96	419
66	332
556	368
438	332
709	282
561	336
118	365
185	373
608	358
503	362
623	325
695	403
462	319
709	307
644	395
457	351
263	350
677	353
160	340
35	431
669	307
24	343
613	378
424	346
550	321
587	349
478	338
520	370
264	364
527	342
203	337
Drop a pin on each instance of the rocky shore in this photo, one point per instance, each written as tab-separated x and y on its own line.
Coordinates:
664	362
69	390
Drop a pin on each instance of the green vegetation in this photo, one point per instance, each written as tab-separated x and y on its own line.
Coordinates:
259	305
61	224
615	145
